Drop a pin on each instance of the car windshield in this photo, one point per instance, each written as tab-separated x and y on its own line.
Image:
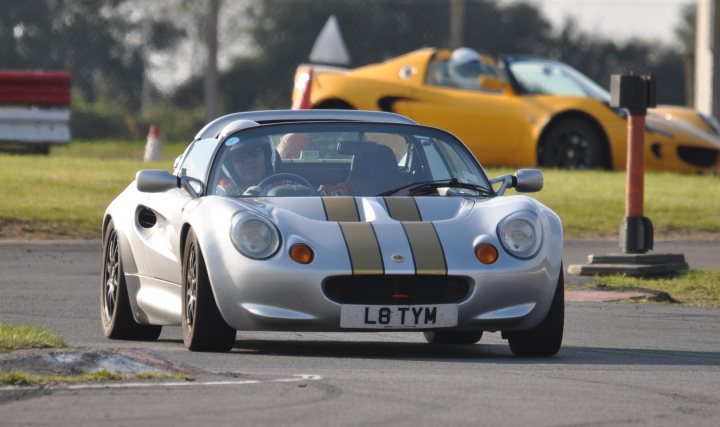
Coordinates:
553	78
344	159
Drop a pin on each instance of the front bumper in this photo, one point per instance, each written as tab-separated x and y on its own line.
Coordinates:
277	299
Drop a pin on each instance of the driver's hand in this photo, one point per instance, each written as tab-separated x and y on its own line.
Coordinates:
252	191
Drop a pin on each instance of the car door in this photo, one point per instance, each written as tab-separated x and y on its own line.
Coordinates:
487	121
163	252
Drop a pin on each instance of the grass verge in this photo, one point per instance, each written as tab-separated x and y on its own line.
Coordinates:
700	288
18	378
19	337
16	337
64	195
592	203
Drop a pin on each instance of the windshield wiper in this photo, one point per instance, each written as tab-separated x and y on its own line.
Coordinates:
423	188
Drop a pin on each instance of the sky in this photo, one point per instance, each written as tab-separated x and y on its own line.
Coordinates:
618	20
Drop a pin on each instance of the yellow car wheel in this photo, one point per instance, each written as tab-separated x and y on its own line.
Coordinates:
574	143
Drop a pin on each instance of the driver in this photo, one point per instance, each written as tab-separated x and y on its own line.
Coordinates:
465	67
246	163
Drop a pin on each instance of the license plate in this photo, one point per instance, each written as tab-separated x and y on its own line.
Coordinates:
398	316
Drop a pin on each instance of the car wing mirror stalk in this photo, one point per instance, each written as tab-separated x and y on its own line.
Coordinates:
523	181
193	186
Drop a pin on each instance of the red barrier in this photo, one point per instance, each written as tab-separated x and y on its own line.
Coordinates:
41	88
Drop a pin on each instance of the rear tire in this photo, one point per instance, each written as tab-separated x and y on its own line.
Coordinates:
115	309
452	337
546	338
204	328
574	143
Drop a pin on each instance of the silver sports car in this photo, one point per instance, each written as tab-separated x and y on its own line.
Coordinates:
323	220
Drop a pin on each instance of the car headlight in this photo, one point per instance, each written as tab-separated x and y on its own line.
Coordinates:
712	123
521	235
254	236
650	128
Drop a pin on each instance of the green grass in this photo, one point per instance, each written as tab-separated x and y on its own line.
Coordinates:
64	195
115	150
19	378
16	337
19	337
592	203
699	288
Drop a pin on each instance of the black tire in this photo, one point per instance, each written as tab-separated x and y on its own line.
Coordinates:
453	337
115	309
574	143
333	104
203	327
545	339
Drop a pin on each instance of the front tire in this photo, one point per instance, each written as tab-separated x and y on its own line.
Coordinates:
574	143
203	327
115	309
545	339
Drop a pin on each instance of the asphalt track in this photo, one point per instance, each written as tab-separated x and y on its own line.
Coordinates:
621	363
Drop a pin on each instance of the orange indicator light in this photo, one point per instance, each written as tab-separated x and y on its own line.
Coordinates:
486	253
301	253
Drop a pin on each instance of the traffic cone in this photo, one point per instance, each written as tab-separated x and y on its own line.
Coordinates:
153	145
302	102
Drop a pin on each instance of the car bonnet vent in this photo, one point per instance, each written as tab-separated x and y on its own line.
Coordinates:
146	218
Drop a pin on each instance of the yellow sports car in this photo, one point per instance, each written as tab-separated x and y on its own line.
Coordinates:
518	111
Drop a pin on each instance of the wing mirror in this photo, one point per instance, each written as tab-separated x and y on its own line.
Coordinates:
523	181
156	181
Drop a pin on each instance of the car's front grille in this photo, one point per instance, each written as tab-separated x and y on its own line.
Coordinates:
700	157
396	290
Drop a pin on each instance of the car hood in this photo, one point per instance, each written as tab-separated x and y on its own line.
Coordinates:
681	130
365	209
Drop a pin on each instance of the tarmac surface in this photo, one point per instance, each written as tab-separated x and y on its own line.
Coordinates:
699	253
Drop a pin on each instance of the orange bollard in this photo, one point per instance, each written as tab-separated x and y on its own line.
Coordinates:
636	94
635	181
153	145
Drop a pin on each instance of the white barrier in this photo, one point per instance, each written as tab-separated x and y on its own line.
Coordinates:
35	125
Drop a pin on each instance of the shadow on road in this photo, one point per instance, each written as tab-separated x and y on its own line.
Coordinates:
479	353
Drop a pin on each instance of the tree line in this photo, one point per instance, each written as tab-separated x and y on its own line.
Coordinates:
111	45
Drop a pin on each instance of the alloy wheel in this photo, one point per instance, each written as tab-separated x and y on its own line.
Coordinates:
111	279
191	289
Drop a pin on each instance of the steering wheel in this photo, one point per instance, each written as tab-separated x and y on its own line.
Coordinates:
277	180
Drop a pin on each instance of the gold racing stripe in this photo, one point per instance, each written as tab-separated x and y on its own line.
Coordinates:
403	208
341	209
363	248
426	248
